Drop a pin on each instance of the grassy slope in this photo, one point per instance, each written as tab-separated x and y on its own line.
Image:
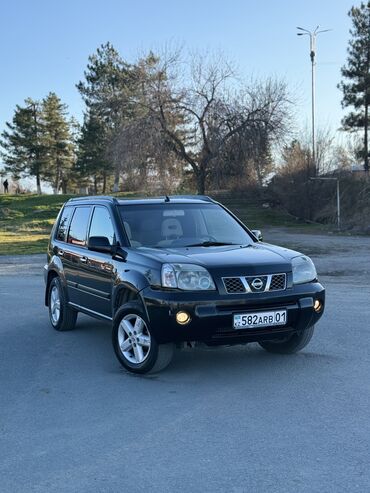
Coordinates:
26	220
252	212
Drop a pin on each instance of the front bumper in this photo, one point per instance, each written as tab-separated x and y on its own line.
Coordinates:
212	314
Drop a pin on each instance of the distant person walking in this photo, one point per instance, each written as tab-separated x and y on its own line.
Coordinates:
6	186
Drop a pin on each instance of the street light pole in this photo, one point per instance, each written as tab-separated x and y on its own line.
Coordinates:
338	205
312	35
313	97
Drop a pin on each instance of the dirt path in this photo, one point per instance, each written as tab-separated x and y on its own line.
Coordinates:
334	255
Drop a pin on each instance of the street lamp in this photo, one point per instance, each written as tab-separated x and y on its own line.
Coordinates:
312	35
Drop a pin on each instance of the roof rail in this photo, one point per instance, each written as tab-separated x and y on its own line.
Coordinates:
94	197
205	198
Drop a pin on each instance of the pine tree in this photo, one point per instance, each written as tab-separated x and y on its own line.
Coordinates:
92	159
105	92
356	73
23	149
59	151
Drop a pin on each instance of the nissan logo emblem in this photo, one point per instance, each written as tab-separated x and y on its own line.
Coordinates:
257	283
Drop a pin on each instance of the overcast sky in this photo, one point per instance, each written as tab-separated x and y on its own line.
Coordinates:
45	44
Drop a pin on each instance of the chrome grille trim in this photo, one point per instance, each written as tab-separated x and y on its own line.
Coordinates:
241	284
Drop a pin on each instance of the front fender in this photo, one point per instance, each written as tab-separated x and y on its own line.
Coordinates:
130	284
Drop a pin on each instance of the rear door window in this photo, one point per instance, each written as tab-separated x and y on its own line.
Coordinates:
78	228
63	224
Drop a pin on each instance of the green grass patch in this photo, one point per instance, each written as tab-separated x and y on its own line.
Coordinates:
26	220
18	244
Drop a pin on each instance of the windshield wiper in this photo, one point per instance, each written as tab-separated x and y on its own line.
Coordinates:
210	244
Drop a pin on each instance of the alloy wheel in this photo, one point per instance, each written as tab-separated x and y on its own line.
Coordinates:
55	305
134	338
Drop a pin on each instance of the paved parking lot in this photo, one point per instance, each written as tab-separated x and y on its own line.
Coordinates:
226	419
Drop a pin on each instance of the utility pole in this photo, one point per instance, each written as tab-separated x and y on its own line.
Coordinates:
312	35
338	196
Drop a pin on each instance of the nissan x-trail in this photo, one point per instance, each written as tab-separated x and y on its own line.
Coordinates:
175	271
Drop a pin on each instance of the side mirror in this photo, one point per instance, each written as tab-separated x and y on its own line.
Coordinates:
258	234
100	244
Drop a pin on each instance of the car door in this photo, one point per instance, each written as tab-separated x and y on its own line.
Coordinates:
98	271
74	253
60	241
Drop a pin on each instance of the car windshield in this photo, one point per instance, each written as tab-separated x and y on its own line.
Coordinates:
177	225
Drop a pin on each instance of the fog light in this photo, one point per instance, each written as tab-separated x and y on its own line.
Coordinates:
317	306
182	318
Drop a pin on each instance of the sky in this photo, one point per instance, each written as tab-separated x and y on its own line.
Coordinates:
45	44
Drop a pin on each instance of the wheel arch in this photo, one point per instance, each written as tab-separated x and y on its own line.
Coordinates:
55	269
51	275
127	296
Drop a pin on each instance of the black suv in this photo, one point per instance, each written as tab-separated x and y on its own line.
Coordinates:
175	270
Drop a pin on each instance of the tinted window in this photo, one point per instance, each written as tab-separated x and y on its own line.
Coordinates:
178	225
78	227
101	224
63	224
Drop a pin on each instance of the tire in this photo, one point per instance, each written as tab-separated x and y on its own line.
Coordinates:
61	316
295	343
142	353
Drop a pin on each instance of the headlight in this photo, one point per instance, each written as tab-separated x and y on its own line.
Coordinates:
303	270
187	276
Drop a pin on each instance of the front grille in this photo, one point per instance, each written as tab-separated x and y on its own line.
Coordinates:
255	284
278	282
234	285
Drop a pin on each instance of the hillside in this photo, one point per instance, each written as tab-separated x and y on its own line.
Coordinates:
26	220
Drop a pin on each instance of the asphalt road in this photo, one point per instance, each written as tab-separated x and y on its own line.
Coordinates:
226	419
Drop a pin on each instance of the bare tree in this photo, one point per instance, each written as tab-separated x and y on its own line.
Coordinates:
201	106
146	159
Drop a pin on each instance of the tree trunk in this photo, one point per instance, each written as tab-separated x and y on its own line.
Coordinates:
57	179
38	184
116	180
201	181
95	185
258	172
104	182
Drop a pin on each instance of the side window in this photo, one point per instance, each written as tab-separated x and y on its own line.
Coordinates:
78	227
101	224
63	224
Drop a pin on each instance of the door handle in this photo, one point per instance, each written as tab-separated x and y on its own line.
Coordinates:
84	260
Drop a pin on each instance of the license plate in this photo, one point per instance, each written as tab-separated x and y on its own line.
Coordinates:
259	319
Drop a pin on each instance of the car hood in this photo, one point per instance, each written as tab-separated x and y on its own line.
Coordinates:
253	259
